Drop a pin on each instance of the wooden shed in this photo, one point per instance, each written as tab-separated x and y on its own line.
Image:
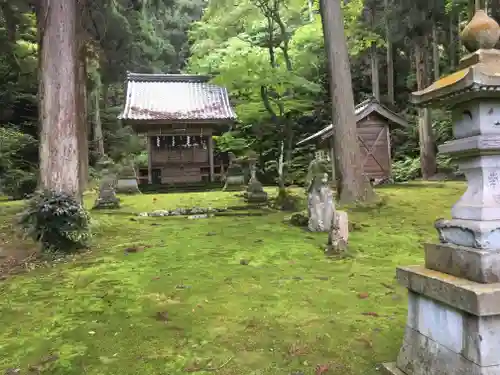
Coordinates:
374	122
178	114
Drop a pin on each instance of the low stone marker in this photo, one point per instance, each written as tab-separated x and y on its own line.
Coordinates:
453	325
342	222
107	197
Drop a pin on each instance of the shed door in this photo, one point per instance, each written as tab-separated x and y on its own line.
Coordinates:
375	154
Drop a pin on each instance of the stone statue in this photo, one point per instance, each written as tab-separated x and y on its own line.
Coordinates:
320	201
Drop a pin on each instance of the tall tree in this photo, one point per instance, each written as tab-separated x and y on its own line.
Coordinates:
435	50
374	61
389	53
81	95
352	185
59	146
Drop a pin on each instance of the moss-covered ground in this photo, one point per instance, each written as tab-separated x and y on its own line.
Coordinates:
184	303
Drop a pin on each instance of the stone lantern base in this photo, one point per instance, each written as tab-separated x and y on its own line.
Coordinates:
255	192
453	324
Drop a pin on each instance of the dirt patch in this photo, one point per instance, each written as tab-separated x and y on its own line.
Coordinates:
15	259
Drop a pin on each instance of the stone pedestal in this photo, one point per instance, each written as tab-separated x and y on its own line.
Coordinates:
453	325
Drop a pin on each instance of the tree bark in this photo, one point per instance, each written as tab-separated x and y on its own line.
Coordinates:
83	144
460	44
389	56
374	60
353	186
59	153
452	42
427	149
98	136
435	51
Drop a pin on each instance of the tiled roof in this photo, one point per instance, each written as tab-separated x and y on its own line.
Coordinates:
172	97
362	110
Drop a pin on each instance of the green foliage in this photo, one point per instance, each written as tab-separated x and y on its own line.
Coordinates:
148	38
299	219
141	160
57	221
287	200
15	147
18	183
406	169
230	142
126	171
124	143
18	176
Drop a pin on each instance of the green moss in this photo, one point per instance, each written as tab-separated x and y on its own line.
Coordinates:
289	308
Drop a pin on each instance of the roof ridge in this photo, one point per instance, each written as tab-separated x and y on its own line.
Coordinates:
167	77
370	100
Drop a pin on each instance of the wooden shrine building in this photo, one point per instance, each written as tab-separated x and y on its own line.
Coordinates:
178	114
374	123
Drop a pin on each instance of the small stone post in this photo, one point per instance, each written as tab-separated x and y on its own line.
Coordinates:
453	325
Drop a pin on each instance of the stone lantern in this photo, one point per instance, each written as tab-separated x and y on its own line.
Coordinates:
453	324
255	191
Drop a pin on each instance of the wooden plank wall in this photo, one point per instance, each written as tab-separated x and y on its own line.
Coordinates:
377	165
373	131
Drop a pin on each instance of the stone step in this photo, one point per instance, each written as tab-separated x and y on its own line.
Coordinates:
462	294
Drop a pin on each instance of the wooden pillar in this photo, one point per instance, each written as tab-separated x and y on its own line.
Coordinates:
211	157
150	168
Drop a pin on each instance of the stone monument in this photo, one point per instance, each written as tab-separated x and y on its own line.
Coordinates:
320	202
235	176
453	325
107	197
255	191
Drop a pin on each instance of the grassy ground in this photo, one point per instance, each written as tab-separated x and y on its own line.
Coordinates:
186	304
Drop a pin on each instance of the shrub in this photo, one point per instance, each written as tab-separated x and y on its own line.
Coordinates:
18	184
286	201
126	171
409	168
18	156
406	169
299	219
57	221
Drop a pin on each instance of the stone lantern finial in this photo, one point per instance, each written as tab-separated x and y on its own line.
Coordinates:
482	32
